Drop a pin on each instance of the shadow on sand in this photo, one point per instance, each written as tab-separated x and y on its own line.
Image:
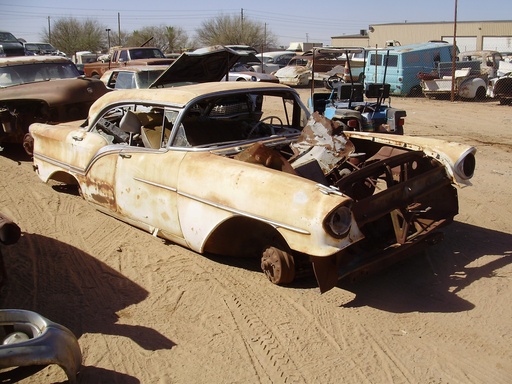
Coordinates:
429	282
74	289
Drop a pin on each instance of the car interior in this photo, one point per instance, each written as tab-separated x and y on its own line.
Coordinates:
218	120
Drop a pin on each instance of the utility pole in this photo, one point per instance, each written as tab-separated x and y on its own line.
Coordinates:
242	25
49	32
108	38
119	27
454	54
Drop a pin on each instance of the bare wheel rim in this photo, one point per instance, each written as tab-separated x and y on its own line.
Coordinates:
28	144
278	265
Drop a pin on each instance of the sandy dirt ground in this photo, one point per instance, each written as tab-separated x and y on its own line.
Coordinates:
146	311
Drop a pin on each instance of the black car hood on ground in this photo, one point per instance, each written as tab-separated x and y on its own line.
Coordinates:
203	65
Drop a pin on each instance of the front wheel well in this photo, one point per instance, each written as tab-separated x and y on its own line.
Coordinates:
243	236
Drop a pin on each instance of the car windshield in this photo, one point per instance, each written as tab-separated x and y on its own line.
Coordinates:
7	37
30	73
299	62
212	122
146	54
40	47
146	78
239	67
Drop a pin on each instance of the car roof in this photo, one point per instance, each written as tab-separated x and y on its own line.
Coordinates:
477	53
20	60
183	94
138	68
36	42
276	53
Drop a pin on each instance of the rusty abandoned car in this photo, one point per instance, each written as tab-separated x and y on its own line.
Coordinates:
28	339
41	89
243	169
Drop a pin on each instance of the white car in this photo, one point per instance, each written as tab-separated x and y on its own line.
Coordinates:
242	169
270	62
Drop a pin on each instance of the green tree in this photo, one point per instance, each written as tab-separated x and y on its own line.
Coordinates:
226	30
167	38
177	39
71	35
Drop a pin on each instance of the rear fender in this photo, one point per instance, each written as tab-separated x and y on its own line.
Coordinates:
469	87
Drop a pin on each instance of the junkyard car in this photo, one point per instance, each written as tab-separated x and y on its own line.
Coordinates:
297	72
41	89
242	169
270	62
302	69
32	49
10	45
242	72
500	87
216	63
26	337
465	85
472	75
489	60
139	77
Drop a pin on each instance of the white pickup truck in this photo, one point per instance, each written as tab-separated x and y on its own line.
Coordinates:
469	82
473	73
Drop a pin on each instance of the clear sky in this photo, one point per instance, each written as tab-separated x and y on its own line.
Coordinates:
297	20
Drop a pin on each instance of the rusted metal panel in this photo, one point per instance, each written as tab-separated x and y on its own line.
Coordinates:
319	141
261	193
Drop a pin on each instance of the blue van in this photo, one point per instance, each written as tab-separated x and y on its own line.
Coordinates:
403	65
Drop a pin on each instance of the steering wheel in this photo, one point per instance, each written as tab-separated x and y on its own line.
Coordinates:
272	129
332	81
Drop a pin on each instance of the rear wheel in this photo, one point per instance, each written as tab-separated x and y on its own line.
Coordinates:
278	265
416	91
